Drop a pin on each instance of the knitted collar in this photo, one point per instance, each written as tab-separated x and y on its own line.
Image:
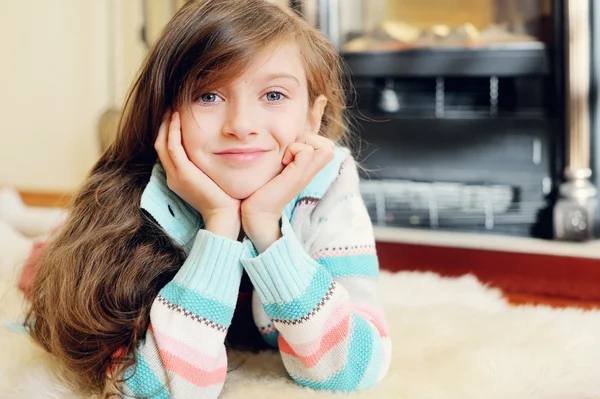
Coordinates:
181	221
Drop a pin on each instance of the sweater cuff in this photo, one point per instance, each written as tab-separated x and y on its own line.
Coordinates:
212	269
286	273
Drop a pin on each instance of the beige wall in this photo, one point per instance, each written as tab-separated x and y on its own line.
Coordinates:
129	47
54	86
56	82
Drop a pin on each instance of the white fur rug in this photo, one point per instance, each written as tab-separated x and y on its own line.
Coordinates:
453	339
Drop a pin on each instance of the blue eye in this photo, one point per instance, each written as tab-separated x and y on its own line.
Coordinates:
209	98
274	96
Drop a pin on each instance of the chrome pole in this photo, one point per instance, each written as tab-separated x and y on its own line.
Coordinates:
575	209
329	20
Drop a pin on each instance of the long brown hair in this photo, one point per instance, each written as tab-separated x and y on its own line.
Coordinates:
97	279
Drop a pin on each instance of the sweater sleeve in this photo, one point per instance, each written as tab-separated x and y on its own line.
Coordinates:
183	354
318	287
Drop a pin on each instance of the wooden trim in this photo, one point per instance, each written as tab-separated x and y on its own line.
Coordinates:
524	299
487	241
45	199
520	274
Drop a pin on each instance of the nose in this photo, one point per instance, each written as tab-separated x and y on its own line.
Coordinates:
239	121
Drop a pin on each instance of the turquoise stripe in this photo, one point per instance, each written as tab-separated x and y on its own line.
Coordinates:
301	306
359	354
272	339
370	377
144	382
365	265
207	308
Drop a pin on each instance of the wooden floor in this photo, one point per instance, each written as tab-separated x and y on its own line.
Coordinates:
33	198
558	281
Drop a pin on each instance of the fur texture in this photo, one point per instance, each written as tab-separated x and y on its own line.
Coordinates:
454	339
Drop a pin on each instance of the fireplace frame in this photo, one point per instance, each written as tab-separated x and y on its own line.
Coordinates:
574	147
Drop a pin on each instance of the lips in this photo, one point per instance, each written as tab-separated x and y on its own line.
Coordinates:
242	155
241	151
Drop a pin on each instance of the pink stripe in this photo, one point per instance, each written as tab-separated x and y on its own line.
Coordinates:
373	316
190	373
335	331
334	318
188	353
329	340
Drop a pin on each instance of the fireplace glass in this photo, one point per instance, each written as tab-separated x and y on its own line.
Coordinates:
459	109
397	25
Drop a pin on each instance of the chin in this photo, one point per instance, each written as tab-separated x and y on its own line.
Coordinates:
239	191
242	186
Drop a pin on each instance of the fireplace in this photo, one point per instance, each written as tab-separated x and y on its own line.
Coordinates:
472	115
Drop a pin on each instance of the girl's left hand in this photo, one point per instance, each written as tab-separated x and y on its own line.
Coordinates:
262	210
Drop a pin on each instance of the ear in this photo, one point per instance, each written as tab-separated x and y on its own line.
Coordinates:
315	114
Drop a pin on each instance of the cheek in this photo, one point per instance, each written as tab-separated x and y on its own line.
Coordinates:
196	140
287	129
201	128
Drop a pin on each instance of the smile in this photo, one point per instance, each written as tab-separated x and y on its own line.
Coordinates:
242	155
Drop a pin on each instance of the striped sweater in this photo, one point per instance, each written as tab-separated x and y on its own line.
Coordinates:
315	294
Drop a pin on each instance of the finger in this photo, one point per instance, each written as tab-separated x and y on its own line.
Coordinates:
286	185
300	167
186	169
304	158
174	143
287	155
293	150
160	145
324	148
324	151
319	142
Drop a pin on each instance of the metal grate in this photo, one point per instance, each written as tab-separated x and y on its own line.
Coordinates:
405	203
453	97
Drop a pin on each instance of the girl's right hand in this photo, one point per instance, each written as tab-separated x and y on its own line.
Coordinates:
221	213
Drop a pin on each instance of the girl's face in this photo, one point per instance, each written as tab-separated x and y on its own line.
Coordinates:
238	134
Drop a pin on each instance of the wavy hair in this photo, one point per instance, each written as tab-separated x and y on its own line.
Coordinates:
98	277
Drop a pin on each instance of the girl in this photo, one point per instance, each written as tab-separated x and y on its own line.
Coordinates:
239	189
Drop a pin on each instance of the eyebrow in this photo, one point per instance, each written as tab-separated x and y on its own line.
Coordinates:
274	76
